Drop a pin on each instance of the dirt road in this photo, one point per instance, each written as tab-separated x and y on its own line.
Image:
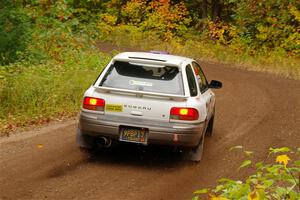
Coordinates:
253	109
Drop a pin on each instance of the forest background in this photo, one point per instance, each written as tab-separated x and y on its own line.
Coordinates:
49	50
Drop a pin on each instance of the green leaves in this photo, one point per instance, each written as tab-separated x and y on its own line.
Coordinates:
245	164
270	181
298	150
202	191
14	31
268	24
279	150
297	162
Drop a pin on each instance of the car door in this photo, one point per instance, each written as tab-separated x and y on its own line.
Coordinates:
206	93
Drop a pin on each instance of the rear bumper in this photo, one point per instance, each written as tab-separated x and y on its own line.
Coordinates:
175	134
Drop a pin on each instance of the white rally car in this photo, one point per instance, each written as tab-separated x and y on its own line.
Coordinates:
149	98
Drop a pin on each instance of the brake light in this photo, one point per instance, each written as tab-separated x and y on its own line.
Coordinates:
92	103
184	113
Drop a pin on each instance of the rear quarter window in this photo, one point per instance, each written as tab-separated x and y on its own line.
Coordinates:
191	81
159	79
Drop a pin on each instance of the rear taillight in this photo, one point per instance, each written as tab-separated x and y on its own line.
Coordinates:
92	103
184	113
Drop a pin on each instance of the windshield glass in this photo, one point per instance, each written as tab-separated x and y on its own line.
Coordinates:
124	75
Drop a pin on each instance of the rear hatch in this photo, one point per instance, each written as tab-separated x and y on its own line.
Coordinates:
141	91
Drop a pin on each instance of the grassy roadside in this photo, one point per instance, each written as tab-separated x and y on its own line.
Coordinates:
273	62
31	95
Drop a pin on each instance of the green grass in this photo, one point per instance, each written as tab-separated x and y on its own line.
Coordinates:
33	94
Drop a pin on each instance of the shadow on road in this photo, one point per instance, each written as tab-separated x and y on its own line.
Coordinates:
152	156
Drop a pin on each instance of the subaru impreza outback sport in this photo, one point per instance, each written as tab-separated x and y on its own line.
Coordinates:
149	98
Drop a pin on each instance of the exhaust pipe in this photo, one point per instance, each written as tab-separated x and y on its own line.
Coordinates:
104	142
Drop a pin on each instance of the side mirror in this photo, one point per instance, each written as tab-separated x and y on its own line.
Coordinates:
215	84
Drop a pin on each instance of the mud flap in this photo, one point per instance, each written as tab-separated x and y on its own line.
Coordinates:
195	154
209	130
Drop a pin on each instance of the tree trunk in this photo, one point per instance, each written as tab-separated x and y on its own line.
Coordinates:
215	9
204	9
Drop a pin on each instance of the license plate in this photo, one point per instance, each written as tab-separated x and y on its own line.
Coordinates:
132	134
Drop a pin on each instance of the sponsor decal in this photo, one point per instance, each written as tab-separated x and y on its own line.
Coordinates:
114	107
141	83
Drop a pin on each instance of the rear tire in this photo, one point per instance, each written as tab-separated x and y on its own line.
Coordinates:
85	142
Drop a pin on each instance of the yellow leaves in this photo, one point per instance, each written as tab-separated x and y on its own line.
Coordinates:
283	159
221	31
217	198
109	19
295	12
220	198
254	195
233	31
134	8
166	18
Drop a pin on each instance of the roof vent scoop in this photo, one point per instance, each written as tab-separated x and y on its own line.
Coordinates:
159	52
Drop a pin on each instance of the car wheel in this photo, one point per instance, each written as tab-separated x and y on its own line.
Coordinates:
210	126
195	153
85	142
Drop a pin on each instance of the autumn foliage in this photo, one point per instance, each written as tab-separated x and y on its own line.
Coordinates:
254	27
163	17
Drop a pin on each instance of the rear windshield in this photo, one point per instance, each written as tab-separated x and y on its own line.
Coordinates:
124	75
